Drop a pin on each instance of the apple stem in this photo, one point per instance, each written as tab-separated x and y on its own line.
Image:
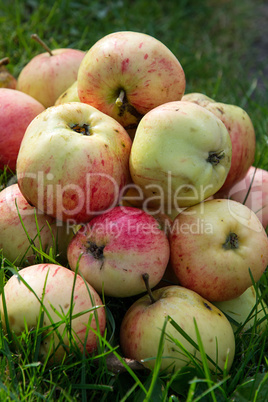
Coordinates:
42	43
120	100
145	277
4	61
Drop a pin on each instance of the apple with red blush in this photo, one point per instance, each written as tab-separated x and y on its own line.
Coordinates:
217	247
125	74
47	75
39	288
17	110
115	249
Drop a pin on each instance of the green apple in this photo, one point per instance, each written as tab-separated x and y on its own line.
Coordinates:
70	95
242	134
181	155
142	324
245	309
47	75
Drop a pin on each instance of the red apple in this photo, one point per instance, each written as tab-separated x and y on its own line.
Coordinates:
17	110
115	249
49	74
125	74
253	192
242	134
214	245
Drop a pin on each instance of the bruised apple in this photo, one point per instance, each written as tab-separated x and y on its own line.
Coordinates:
54	290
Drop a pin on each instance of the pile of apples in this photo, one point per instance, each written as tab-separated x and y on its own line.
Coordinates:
140	188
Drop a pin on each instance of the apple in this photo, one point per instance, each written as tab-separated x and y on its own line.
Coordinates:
43	231
242	133
113	250
245	310
64	298
78	162
214	244
47	75
251	191
181	155
7	80
70	95
125	74
142	325
17	110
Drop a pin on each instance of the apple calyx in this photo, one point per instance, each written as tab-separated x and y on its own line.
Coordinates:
145	277
84	129
215	157
96	251
42	43
231	242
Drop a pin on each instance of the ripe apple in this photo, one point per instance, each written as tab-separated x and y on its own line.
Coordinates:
7	80
242	133
245	309
142	324
55	290
181	155
17	110
14	242
214	245
78	162
70	95
113	250
251	191
125	74
47	75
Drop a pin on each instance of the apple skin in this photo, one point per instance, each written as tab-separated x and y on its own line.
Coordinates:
214	244
69	175
257	199
244	306
70	95
141	327
242	134
115	249
7	80
173	143
13	239
140	65
23	307
46	77
17	110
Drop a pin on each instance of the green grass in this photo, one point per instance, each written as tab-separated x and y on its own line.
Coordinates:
214	41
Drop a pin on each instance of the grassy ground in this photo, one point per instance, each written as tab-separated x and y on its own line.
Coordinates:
215	43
